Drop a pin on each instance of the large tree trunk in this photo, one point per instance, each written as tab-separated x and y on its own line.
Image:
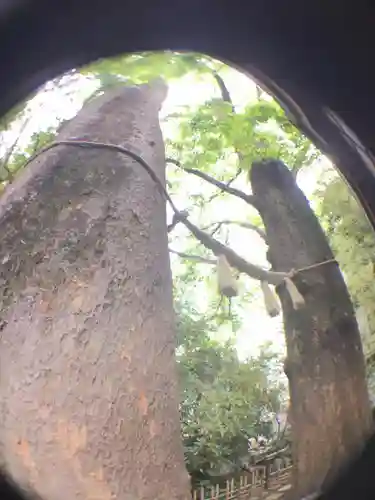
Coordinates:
330	410
88	380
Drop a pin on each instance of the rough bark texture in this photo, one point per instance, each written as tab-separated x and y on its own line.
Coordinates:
330	410
89	403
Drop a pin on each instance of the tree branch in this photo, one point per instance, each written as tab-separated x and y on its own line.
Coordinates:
11	149
246	225
221	185
235	177
227	98
216	195
258	273
225	94
197	258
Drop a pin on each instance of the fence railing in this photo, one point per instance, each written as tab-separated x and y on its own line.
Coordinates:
246	486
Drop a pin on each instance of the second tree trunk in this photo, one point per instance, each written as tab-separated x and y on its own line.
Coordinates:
330	410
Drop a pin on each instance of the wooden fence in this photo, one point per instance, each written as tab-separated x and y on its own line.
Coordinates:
248	486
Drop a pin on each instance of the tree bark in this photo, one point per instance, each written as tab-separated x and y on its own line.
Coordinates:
330	409
88	379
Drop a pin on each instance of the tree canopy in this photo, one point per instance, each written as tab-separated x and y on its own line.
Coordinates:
225	401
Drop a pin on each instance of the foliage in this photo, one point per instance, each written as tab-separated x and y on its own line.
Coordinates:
13	163
209	133
12	115
259	131
352	239
224	400
143	67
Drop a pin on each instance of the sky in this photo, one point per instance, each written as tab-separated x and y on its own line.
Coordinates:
54	104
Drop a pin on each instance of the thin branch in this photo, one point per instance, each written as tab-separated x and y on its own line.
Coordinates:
197	258
258	273
215	230
221	185
259	92
177	216
10	151
216	313
225	94
246	225
235	177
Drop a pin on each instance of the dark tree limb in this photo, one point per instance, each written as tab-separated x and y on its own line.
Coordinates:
246	225
188	256
235	177
256	272
225	94
218	248
11	149
221	185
